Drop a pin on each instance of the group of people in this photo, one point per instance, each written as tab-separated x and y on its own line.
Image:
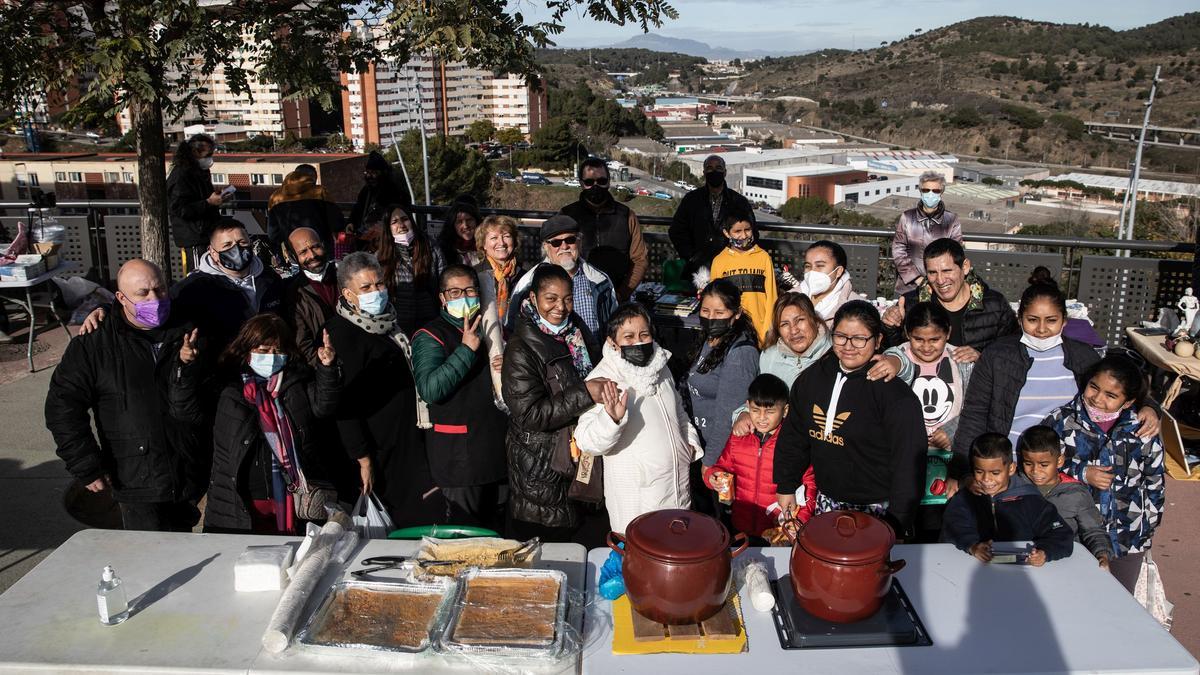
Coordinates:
458	386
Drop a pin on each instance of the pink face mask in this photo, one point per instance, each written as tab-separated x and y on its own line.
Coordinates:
1099	416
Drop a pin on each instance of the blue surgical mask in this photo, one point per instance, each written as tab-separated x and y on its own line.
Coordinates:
266	365
463	308
553	328
373	303
931	199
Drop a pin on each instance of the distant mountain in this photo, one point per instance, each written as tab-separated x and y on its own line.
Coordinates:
1000	85
662	43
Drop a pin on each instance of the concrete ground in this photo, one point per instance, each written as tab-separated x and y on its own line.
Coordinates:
32	479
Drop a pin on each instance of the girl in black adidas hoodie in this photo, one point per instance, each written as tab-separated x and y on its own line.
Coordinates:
865	440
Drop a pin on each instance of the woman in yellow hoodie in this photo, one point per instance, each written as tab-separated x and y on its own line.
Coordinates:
744	263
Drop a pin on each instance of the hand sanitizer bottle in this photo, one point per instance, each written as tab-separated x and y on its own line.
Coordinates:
110	596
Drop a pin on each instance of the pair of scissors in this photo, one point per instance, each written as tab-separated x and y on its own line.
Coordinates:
391	562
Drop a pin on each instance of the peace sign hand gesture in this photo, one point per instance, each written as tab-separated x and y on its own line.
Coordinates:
326	353
188	351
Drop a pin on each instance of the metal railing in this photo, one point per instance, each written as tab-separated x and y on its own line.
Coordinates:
1118	291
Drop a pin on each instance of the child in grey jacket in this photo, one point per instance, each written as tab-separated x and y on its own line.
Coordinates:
1041	460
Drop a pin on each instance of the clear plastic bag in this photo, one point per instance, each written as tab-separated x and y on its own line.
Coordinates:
371	520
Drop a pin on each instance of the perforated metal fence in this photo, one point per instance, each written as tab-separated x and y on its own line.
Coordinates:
1118	291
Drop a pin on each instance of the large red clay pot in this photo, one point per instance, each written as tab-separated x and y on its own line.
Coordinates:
840	567
676	565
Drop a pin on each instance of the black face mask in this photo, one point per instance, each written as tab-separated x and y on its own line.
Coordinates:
596	195
236	259
715	328
638	355
715	178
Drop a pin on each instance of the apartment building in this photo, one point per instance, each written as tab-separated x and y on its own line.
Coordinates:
114	176
391	99
263	111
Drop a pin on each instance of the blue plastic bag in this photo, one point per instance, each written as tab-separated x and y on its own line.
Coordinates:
612	582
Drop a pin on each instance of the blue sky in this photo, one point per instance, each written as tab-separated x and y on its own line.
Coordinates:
800	26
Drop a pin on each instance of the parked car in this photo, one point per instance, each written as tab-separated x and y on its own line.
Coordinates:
571	182
657	178
504	175
531	178
683	185
624	189
643	192
663	195
768	209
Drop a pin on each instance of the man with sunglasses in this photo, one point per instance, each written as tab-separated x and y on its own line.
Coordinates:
592	290
696	227
925	222
611	234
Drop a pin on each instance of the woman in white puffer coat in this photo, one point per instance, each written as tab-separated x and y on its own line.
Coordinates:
647	440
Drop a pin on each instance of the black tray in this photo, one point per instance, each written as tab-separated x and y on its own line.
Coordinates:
896	624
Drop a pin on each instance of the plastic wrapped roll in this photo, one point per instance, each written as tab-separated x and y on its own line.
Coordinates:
757	586
283	622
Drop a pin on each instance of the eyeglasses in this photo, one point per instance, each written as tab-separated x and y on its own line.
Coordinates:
589	182
456	293
565	241
936	191
858	341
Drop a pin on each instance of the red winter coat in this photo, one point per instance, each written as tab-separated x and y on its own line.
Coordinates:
752	462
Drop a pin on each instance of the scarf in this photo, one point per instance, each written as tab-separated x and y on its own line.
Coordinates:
286	476
403	273
837	296
385	324
502	272
569	335
925	291
935	218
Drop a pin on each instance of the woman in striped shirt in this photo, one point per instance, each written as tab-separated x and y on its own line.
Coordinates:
1020	379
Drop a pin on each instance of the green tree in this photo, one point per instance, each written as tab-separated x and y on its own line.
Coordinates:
964	118
454	168
554	144
481	130
509	136
807	210
151	56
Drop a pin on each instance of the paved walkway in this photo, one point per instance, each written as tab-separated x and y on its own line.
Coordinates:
33	522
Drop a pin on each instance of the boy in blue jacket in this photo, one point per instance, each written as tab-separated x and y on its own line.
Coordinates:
1009	508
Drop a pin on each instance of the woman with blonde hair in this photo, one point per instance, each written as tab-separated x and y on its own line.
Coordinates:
498	243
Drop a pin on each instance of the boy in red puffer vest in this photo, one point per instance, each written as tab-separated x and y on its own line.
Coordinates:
747	463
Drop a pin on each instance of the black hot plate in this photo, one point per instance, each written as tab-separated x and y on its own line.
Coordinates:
896	624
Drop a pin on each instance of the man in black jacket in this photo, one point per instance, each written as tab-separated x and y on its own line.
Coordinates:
696	227
230	285
978	314
310	297
155	464
380	190
612	235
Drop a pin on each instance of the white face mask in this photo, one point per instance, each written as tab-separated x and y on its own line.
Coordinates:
815	283
1041	344
316	276
404	238
205	162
